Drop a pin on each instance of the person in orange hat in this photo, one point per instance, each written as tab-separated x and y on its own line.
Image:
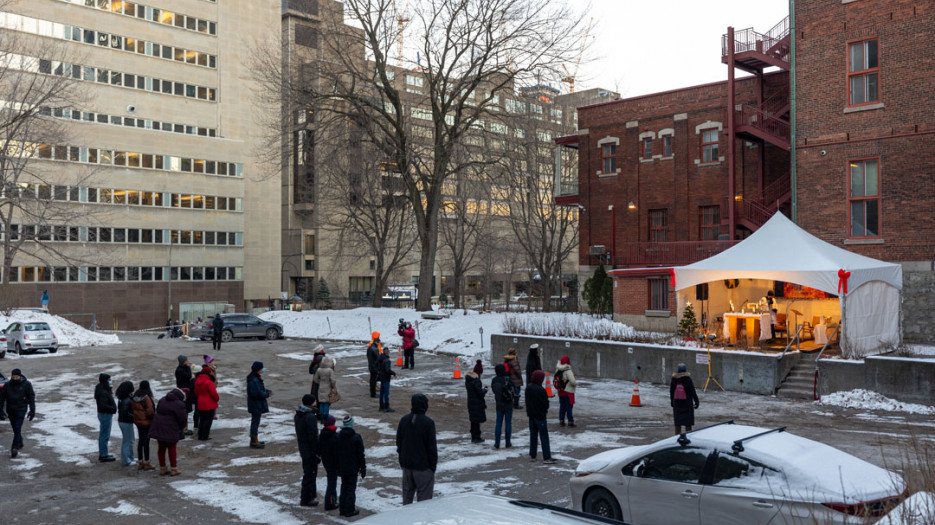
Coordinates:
373	353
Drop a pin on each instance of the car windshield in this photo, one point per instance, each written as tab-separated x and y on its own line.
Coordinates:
35	327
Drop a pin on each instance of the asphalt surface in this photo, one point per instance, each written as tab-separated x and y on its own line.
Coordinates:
57	479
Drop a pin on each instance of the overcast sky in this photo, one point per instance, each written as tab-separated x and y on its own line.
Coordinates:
642	47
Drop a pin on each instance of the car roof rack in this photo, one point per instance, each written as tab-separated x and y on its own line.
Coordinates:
565	511
738	445
683	438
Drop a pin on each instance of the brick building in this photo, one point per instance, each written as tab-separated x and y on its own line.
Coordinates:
671	178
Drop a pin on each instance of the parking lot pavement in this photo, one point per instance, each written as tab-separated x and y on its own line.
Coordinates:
57	477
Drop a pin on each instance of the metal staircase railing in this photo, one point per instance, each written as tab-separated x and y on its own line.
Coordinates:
757	118
768	43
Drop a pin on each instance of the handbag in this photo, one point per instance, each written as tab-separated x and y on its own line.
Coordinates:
415	343
334	396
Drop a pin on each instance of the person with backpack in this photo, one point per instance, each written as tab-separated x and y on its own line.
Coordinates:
143	404
385	374
327	451
417	450
683	398
408	333
537	409
125	421
374	351
477	406
565	383
533	361
503	395
511	362
351	463
217	328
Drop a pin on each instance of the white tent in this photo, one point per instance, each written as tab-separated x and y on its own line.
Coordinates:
781	251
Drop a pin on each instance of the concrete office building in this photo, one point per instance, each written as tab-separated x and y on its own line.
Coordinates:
181	218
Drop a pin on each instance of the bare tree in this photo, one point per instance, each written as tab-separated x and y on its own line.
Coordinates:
38	83
470	53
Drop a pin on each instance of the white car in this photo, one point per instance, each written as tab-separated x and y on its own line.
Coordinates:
481	509
28	337
734	474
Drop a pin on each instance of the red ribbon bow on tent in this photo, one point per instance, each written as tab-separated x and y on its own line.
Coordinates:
672	277
842	280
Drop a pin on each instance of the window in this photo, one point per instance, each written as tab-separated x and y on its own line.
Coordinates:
709	223
647	148
309	245
864	198
658	294
608	158
863	72
682	464
709	143
737	472
658	225
414	80
667	146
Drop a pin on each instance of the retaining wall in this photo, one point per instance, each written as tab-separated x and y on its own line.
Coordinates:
737	371
904	379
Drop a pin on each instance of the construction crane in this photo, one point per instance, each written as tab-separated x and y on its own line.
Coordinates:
570	75
401	19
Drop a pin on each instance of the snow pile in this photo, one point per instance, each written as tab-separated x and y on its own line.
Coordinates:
575	326
867	400
459	334
68	333
918	509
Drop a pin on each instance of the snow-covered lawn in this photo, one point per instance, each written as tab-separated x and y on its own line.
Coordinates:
68	333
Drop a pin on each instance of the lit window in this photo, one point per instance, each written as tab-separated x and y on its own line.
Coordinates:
863	72
864	198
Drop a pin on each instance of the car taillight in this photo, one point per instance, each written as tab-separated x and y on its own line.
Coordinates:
25	336
582	474
53	335
874	508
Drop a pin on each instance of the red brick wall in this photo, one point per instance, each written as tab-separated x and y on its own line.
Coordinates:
901	134
631	296
678	185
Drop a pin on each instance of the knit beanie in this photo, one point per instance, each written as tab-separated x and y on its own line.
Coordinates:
16	372
682	367
478	367
329	421
565	360
348	421
308	400
256	366
538	376
182	359
208	359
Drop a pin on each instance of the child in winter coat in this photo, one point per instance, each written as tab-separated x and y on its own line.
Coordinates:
328	452
566	383
351	462
144	410
386	374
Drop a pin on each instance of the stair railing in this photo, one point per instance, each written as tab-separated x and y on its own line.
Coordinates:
798	333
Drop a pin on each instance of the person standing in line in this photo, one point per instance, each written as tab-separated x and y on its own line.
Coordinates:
206	395
683	398
479	368
503	396
106	408
185	379
327	383
167	426
306	432
319	354
374	351
18	402
565	382
328	452
408	333
257	404
533	361
537	409
511	362
477	406
144	410
125	421
417	451
217	328
385	374
351	463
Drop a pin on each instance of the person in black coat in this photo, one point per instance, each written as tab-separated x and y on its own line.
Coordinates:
185	379
684	400
351	462
374	350
477	407
217	328
106	408
502	386
533	361
417	450
328	452
385	374
306	432
125	421
537	409
166	428
18	402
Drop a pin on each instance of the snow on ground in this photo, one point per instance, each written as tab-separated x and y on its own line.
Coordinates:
244	502
125	508
867	400
918	509
68	333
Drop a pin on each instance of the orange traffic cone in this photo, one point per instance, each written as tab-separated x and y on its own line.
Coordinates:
548	385
399	357
457	374
635	400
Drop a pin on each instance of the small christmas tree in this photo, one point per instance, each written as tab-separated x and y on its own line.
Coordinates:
688	325
323	297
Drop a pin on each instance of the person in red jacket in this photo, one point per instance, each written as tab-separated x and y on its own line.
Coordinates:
206	392
408	333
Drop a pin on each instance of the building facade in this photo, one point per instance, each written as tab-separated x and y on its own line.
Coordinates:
169	212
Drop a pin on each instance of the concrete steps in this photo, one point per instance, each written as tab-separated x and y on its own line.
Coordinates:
800	382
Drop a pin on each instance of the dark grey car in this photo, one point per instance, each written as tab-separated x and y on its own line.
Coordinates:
239	325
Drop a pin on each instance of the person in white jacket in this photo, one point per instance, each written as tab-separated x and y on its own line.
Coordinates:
566	383
327	383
